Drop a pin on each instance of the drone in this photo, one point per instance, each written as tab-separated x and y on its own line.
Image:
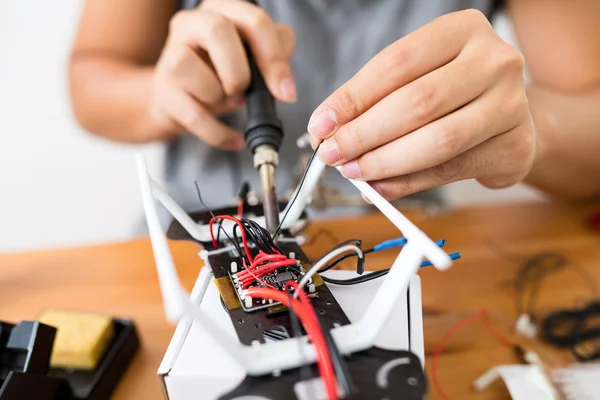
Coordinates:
269	323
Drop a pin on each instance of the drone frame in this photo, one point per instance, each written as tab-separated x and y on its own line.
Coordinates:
267	358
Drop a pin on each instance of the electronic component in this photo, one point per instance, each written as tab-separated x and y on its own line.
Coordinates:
284	277
276	279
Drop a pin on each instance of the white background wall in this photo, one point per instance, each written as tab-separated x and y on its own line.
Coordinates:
58	185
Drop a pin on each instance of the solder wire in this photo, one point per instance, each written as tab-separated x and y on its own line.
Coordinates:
310	161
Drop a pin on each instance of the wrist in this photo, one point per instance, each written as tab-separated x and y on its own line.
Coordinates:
541	121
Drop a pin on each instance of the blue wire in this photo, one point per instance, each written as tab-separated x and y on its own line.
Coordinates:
401	241
453	256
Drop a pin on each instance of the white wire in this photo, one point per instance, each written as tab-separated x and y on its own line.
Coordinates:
326	259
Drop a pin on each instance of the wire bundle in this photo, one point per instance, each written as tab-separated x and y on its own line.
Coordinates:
258	235
388	244
262	265
573	329
330	363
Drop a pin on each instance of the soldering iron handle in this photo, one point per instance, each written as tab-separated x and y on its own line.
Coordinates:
263	127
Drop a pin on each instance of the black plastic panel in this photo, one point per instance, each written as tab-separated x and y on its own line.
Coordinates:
404	381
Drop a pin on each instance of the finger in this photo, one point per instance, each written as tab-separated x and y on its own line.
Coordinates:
314	142
482	161
411	57
407	109
287	38
231	104
191	73
441	140
218	36
262	35
184	110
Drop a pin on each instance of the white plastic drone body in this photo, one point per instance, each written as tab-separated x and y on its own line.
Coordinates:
267	358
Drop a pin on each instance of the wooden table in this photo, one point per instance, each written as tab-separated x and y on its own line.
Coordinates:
120	280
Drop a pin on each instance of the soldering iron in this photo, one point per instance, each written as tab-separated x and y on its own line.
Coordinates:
263	134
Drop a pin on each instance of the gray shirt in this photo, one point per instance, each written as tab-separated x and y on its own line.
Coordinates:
335	38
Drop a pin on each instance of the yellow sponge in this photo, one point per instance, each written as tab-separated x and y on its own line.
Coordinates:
81	338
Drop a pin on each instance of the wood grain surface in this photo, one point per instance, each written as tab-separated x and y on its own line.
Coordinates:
120	280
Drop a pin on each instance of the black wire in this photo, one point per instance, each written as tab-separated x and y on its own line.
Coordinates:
234	242
255	236
261	236
534	270
342	258
264	235
310	160
220	222
360	265
571	329
357	280
532	273
339	363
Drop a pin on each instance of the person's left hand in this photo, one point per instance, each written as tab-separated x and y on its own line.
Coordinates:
445	103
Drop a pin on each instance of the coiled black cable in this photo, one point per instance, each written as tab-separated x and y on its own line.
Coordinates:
574	329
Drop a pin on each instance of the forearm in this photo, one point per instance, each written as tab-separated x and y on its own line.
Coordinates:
567	162
110	98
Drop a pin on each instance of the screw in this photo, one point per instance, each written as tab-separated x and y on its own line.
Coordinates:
412	381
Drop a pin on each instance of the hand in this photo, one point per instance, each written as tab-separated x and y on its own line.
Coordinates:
442	104
203	70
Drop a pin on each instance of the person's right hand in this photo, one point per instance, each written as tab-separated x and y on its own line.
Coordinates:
203	70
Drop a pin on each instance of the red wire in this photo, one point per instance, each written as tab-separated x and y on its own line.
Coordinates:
503	339
269	267
212	235
255	277
240	209
303	298
268	257
239	223
270	263
314	331
481	313
306	303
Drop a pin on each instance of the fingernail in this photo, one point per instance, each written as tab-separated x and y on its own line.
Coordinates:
287	88
329	152
351	170
322	123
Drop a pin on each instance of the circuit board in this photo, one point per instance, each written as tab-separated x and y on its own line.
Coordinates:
268	321
277	279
